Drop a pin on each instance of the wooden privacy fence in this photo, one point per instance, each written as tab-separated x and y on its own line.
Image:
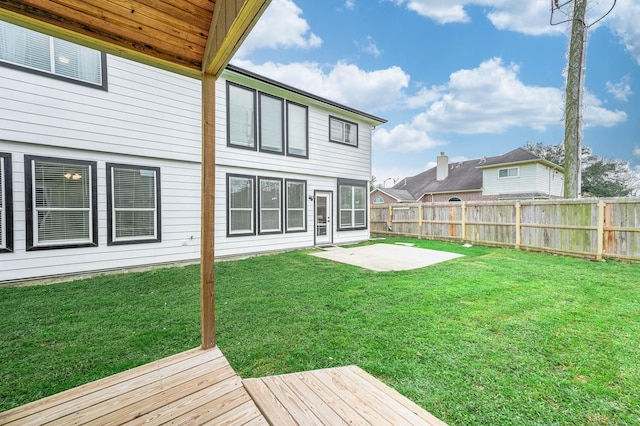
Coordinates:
591	228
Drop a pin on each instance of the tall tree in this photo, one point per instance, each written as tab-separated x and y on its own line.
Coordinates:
601	177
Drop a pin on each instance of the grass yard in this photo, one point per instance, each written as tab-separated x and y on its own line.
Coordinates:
497	337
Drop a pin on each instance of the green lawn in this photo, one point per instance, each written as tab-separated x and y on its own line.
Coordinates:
497	337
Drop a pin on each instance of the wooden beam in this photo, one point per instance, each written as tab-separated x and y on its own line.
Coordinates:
232	21
207	229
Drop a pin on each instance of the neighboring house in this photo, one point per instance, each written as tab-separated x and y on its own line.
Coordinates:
518	174
100	163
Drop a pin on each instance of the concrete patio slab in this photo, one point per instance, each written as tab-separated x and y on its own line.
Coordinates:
385	257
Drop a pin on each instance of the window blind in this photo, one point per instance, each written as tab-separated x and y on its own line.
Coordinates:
240	205
270	205
271	123
296	129
38	51
3	228
62	202
241	116
295	206
134	203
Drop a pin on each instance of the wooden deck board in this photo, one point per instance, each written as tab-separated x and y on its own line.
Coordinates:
333	396
199	387
193	387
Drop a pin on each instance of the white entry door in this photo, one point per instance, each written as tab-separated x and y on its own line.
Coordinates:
323	224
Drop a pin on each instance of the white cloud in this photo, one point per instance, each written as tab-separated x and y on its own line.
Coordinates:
491	99
530	17
533	17
620	90
594	114
623	21
488	99
403	138
636	152
370	47
370	91
281	26
350	4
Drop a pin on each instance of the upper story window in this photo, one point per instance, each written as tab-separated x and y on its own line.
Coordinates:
263	128
511	172
60	202
241	117
133	204
342	131
378	200
271	123
40	53
297	130
6	205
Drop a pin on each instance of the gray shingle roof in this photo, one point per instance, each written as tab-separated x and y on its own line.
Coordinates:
398	194
463	176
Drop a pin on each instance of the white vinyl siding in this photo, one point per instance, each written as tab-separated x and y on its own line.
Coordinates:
324	158
271	123
36	51
352	202
532	178
5	207
297	125
242	117
296	206
62	200
270	205
342	131
241	208
133	204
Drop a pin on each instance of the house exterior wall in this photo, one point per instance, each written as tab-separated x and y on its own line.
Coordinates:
152	118
532	178
379	194
326	163
146	118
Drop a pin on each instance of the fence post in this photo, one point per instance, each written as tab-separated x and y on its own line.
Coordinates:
600	229
390	219
518	226
463	221
419	221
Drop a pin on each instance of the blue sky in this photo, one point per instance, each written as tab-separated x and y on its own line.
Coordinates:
471	78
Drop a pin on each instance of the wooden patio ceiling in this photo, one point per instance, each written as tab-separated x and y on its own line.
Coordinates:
184	36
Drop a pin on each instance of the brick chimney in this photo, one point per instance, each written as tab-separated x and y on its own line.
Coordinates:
442	167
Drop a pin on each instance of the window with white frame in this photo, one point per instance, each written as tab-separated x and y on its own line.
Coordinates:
6	205
343	131
296	206
270	198
241	117
240	205
133	204
271	123
60	202
510	172
27	49
297	130
352	201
